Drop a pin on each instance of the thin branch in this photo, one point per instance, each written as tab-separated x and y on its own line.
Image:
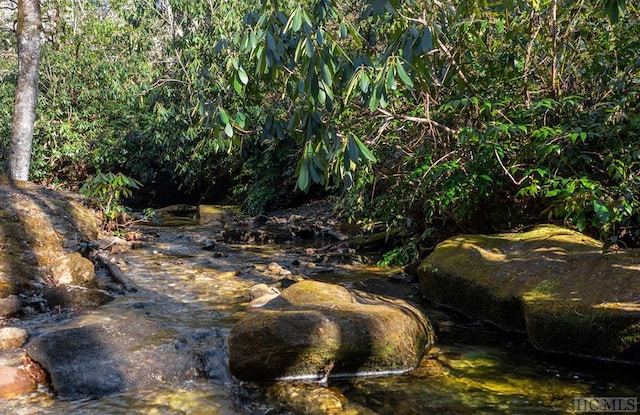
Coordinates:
455	65
435	163
420	120
516	182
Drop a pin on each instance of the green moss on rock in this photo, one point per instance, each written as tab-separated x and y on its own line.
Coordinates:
38	228
551	282
315	328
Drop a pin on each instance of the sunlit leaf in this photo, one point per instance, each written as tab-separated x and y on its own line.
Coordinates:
297	20
309	48
224	116
228	130
242	75
364	150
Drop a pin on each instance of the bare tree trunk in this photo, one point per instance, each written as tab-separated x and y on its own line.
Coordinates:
26	98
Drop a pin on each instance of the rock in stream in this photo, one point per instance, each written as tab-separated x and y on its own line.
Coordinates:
315	330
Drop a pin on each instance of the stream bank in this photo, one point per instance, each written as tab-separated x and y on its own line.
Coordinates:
190	293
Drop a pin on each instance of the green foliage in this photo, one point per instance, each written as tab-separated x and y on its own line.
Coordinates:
435	117
489	136
107	191
266	181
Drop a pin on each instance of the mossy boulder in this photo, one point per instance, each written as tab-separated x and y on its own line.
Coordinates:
40	228
553	283
315	329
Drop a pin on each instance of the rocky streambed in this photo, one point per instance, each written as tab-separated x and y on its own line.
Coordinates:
155	336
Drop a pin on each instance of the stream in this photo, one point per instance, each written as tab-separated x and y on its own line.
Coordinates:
474	368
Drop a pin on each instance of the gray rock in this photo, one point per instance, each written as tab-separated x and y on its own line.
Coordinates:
73	269
106	358
76	297
260	290
9	306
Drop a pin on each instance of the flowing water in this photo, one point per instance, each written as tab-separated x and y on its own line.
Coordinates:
473	368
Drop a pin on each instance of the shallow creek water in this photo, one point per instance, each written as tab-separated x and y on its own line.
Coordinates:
473	368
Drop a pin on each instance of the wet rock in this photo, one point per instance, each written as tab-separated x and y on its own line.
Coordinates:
76	297
106	358
260	290
10	305
178	215
396	288
268	233
216	215
314	330
208	244
552	283
15	382
306	233
73	269
313	399
12	337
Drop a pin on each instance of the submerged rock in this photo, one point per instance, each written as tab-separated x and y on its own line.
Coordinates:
106	358
313	399
314	330
550	282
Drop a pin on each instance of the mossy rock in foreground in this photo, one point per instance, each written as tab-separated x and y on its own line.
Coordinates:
316	329
552	283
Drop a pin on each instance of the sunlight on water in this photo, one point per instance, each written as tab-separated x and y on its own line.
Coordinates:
184	288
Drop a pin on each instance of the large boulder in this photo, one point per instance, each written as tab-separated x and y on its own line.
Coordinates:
41	228
553	283
105	358
315	329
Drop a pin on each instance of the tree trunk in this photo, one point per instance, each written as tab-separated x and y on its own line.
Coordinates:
26	98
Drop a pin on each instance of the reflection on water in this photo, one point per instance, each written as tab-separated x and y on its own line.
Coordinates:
472	370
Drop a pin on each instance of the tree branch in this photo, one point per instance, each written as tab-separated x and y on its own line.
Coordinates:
516	182
419	120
